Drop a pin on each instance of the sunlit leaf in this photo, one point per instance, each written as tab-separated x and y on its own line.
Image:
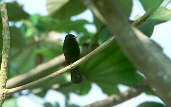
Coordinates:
54	5
160	15
150	5
16	12
70	8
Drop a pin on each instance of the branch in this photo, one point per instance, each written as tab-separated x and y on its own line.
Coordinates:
142	19
41	68
38	70
5	52
120	97
140	50
67	68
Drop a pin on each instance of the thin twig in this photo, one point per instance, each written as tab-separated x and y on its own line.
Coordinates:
5	52
67	68
36	71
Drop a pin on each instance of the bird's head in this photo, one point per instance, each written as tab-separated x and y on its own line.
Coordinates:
70	36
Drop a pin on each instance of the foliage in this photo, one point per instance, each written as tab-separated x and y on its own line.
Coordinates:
151	104
10	103
107	69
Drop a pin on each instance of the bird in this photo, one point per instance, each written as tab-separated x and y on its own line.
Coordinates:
72	53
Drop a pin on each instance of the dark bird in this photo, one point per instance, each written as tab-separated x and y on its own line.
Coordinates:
72	53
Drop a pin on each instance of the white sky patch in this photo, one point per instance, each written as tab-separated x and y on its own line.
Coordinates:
95	94
137	10
134	102
86	15
122	87
53	96
30	101
34	6
162	35
8	0
91	28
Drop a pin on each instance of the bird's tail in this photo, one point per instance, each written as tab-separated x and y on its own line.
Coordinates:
76	76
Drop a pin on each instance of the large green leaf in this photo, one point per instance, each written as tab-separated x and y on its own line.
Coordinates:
162	14
16	12
104	35
54	5
17	39
109	68
71	8
77	26
150	5
24	62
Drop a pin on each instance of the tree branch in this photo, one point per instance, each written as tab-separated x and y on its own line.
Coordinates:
41	68
5	52
140	50
120	97
38	70
67	68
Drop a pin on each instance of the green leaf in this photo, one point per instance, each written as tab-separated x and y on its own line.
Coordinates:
162	14
151	104
55	5
77	26
71	8
16	12
23	63
46	52
28	28
151	5
72	105
125	6
17	39
10	103
42	24
109	68
104	35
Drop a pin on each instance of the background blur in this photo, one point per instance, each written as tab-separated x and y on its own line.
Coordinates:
33	21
